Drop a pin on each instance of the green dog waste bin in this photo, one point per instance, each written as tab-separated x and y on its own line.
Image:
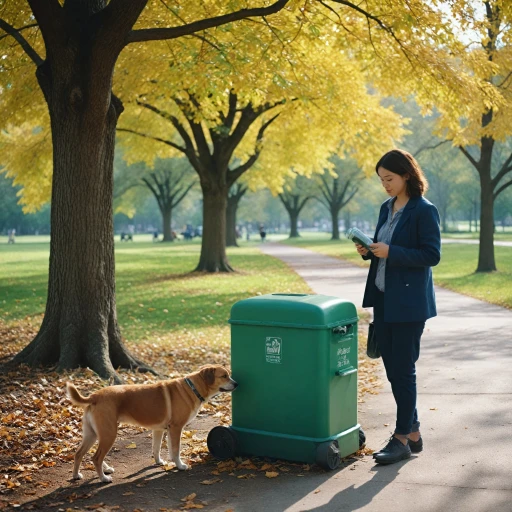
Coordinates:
295	359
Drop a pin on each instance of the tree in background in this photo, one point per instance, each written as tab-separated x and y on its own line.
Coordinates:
478	122
210	152
337	191
235	195
255	127
294	197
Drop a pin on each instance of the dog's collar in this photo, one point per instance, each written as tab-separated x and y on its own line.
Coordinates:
193	388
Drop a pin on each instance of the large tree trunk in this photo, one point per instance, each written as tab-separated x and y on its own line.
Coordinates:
486	261
231	209
80	326
213	248
294	218
166	224
335	224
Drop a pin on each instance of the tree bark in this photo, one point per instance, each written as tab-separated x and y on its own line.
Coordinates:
213	248
80	326
232	206
294	218
335	224
234	198
486	260
166	224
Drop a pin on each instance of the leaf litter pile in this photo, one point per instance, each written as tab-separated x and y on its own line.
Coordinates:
40	429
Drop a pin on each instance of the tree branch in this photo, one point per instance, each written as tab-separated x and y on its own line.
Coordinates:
469	157
505	168
501	189
154	191
203	148
157	34
352	194
426	147
48	14
186	191
158	139
237	172
15	33
303	203
389	30
175	122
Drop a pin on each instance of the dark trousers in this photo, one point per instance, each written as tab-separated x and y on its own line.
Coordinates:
399	345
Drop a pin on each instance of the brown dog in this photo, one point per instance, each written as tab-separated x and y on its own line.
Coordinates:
166	405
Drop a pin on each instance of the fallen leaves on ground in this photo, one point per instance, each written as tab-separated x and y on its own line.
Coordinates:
40	428
38	425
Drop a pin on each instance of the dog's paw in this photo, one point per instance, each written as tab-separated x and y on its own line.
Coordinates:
78	476
106	479
160	462
108	469
181	466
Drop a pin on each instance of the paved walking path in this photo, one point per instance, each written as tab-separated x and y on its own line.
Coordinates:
464	403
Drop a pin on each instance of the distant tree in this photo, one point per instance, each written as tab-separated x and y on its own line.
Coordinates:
478	120
337	191
236	193
294	197
169	187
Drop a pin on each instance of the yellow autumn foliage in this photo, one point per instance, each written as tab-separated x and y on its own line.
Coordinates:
329	62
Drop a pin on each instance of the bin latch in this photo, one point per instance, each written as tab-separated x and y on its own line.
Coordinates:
341	329
344	373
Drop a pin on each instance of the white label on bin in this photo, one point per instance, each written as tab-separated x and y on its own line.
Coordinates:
273	350
342	355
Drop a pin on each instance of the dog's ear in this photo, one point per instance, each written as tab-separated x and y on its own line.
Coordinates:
208	374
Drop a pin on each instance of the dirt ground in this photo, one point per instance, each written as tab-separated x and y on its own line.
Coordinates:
40	431
139	485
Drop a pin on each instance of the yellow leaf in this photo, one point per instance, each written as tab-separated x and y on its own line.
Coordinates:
131	445
211	482
271	474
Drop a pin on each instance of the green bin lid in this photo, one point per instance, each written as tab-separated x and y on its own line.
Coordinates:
294	310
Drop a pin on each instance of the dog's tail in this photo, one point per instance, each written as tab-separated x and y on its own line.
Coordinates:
75	397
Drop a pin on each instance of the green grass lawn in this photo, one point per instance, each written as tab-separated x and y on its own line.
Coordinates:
456	271
498	235
156	295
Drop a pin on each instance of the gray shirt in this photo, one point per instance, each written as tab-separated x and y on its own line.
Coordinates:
384	235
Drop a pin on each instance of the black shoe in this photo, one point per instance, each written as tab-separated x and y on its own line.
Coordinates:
416	446
394	451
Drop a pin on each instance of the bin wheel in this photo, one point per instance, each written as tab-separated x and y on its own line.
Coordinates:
362	438
328	455
222	442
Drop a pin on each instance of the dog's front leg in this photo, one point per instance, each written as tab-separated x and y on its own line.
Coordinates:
157	443
174	442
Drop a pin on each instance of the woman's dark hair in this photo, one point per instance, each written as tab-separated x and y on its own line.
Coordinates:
403	163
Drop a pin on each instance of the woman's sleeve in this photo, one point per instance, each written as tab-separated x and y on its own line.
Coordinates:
429	235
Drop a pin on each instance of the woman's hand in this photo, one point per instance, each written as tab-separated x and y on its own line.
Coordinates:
380	250
361	250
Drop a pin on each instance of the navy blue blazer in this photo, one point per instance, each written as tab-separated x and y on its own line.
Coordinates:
415	247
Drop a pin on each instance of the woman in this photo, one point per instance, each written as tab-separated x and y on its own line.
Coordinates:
401	290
